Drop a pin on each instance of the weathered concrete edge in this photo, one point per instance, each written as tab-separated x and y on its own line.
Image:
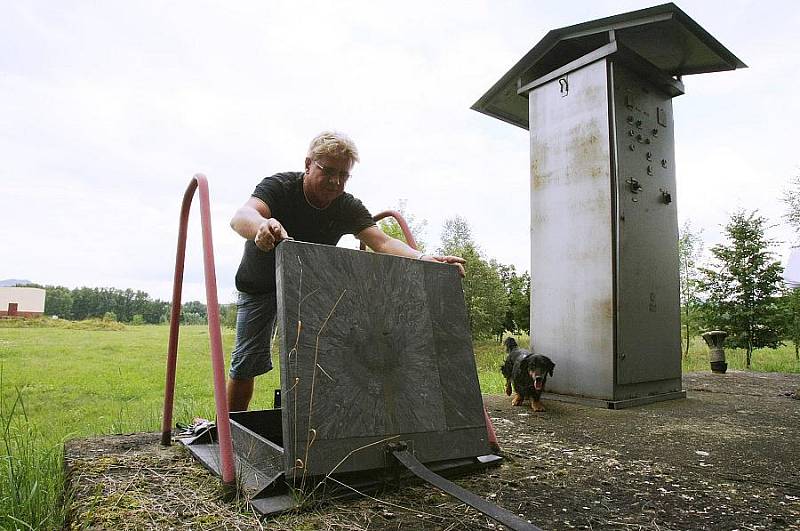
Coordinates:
615	404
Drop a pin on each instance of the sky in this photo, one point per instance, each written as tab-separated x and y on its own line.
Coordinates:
109	108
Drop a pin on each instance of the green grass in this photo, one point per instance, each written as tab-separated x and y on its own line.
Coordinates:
61	380
84	382
46	322
65	381
32	478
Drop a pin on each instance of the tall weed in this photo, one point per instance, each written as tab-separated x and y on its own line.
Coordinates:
32	494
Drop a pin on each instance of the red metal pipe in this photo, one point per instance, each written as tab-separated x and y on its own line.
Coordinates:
175	315
400	221
215	336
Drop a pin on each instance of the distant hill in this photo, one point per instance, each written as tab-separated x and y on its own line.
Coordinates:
13	282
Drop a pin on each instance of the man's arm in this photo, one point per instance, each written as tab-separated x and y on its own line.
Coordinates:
380	242
254	221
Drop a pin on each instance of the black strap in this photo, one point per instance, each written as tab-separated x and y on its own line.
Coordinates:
505	517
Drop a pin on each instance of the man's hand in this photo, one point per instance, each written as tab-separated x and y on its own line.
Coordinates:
270	232
455	260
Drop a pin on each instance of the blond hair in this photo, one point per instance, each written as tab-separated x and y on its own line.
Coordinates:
333	144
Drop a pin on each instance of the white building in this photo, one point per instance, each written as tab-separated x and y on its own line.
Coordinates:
21	302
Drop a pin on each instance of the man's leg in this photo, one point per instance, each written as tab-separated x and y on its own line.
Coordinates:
255	322
240	392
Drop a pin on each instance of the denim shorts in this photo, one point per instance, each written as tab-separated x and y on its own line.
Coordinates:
255	325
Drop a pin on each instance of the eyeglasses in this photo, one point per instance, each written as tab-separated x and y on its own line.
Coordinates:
331	172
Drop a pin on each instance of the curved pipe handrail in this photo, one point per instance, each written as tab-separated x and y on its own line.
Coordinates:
200	182
400	221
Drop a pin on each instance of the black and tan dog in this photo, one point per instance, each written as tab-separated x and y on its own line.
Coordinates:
527	372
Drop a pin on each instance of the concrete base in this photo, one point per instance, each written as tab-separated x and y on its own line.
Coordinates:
615	404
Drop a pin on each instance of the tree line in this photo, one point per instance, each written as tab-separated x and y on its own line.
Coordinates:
123	305
496	295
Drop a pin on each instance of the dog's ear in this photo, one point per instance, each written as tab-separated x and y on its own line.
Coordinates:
552	366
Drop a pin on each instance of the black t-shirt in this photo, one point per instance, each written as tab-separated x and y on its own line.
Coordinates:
283	194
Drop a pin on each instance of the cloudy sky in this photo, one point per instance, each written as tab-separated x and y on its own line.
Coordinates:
108	108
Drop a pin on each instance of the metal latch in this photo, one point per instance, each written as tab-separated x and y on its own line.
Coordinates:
634	185
661	116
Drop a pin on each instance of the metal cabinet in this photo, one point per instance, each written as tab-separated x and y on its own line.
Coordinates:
597	100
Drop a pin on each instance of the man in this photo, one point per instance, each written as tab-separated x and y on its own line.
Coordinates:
311	206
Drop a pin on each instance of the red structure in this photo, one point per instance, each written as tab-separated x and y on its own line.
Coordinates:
200	182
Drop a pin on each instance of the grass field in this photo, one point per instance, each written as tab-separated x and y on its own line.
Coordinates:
77	379
63	380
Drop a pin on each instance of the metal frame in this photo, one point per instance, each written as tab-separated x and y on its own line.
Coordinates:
597	98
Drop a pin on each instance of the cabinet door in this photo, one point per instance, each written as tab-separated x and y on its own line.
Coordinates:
648	326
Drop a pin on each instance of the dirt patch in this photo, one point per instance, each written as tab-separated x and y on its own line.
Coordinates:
727	457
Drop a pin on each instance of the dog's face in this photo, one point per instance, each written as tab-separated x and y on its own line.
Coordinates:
538	368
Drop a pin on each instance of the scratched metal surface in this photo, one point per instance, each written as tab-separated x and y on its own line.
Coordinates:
572	247
382	353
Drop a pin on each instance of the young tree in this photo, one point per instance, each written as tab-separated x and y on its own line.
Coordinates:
743	284
518	291
227	315
194	312
521	303
154	311
690	247
456	235
391	227
85	304
484	294
791	196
